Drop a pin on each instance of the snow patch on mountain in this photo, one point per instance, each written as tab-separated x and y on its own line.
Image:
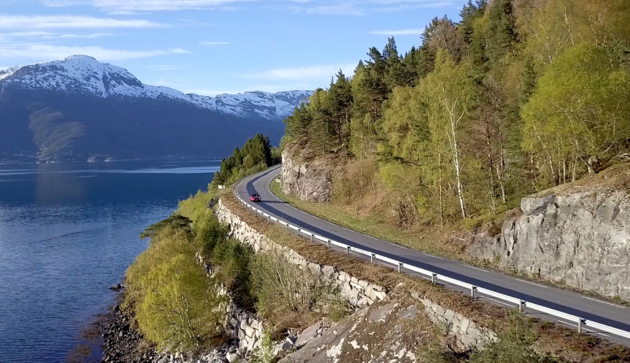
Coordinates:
86	75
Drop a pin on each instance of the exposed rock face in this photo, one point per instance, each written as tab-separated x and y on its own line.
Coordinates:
581	239
308	180
378	330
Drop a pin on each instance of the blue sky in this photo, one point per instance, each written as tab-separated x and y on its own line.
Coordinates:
215	46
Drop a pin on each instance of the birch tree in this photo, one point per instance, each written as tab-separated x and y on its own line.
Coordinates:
450	98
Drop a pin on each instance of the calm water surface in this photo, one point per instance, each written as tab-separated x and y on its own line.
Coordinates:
67	233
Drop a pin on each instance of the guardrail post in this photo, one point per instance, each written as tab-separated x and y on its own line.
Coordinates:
433	278
348	250
298	232
328	244
472	291
521	306
400	266
312	236
372	258
580	322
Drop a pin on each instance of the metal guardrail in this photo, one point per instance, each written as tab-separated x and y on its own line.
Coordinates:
401	267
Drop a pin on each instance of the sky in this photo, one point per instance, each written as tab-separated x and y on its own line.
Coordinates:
216	46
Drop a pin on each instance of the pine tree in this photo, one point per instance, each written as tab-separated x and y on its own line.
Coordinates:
500	29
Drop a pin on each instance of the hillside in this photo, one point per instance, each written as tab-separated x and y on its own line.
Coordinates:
445	148
79	108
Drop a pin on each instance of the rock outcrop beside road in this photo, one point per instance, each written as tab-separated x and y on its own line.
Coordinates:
307	180
579	237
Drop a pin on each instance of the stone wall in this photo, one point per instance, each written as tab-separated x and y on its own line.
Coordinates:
467	334
360	293
581	239
310	181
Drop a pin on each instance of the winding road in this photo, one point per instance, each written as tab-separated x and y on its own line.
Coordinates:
563	300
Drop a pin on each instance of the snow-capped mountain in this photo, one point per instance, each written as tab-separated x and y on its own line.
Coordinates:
86	76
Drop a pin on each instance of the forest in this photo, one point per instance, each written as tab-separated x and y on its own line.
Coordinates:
516	97
256	155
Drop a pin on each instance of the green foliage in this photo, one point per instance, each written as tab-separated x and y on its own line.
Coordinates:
282	286
256	155
176	305
516	345
174	221
181	309
519	96
229	258
265	353
578	116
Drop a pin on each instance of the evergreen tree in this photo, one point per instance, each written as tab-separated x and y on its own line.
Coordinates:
500	29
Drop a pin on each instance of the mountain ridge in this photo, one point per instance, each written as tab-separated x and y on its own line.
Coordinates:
85	75
79	109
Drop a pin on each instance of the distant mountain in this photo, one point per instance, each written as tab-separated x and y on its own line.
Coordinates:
78	108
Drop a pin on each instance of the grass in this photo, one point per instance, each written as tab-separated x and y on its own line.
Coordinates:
431	240
435	240
557	340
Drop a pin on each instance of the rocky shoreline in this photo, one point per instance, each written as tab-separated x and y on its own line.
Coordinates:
123	343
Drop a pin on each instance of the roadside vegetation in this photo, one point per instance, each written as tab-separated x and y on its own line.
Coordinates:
518	97
179	307
521	339
256	155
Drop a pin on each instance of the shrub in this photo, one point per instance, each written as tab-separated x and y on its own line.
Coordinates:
176	306
181	309
515	345
282	286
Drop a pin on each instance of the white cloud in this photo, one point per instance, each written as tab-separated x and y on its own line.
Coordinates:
321	72
45	52
70	22
49	35
215	43
398	32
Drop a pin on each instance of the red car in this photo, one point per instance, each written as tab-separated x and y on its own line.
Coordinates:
254	198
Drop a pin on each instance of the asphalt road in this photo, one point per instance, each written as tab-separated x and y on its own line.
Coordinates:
563	300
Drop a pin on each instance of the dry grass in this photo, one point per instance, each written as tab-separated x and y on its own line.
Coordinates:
430	239
562	342
616	177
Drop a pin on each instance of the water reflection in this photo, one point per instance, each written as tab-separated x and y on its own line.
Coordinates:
67	233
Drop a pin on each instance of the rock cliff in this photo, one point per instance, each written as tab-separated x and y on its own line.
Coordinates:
577	234
308	180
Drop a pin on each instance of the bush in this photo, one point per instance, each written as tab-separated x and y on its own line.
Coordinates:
176	306
181	309
515	345
282	286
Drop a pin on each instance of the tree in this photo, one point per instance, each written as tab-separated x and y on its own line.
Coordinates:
450	95
500	29
181	308
579	114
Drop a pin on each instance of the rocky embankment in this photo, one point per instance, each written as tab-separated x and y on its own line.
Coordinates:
577	234
307	180
581	239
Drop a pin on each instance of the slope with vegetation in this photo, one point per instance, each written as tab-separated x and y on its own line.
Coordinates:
436	147
519	96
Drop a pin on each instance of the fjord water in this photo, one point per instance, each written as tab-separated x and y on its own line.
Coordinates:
67	233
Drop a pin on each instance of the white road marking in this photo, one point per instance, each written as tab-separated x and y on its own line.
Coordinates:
475	268
604	302
532	283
